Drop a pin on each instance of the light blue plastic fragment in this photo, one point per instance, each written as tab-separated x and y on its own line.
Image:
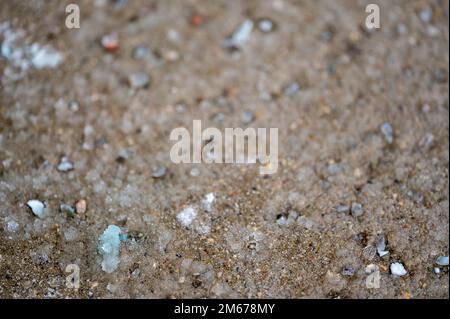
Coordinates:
109	248
442	261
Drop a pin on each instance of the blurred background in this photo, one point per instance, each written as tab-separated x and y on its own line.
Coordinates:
362	116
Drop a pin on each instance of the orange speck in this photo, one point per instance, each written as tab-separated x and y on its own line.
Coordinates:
196	20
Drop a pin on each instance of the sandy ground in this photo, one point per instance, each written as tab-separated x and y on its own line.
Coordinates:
278	236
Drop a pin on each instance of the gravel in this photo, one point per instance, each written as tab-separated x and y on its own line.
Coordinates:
318	76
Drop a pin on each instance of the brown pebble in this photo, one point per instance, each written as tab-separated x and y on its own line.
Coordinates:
80	206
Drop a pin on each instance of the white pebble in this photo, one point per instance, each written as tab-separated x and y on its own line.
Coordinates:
397	269
37	207
65	165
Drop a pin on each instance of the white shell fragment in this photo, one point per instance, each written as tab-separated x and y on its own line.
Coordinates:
397	269
65	165
37	207
240	35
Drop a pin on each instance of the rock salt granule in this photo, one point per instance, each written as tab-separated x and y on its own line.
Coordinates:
109	248
187	216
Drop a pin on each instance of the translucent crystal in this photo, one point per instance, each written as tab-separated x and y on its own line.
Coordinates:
109	248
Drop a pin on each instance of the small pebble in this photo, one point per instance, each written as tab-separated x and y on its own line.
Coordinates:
160	172
11	225
357	210
37	207
74	106
342	208
140	52
348	271
292	89
265	25
139	80
194	172
442	261
426	142
388	132
415	196
437	270
397	269
208	201
110	42
65	165
67	209
426	15
381	246
247	117
80	206
196	20
240	35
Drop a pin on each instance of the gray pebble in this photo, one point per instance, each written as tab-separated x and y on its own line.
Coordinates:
292	89
388	132
357	210
247	117
139	80
342	208
426	14
415	196
442	261
160	172
348	271
140	52
67	209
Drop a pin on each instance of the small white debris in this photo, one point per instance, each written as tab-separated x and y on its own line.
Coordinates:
11	225
442	261
381	246
187	216
160	172
341	208
139	80
437	270
265	25
65	165
194	172
397	269
426	15
208	201
45	57
37	207
426	142
291	89
281	220
388	132
110	42
109	248
240	35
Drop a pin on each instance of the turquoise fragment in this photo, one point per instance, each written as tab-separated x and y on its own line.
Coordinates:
109	248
